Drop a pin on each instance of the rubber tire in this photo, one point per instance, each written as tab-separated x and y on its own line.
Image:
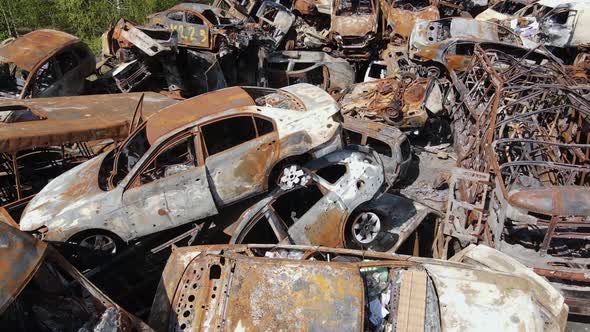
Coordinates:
86	262
383	242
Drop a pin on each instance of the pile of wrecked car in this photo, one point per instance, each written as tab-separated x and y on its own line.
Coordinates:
300	165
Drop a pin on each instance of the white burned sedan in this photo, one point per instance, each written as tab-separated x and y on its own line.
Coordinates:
185	163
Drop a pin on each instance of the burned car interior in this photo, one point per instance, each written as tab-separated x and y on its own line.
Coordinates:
330	165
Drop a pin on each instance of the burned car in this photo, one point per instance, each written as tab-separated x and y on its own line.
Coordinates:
276	20
317	68
390	143
333	201
44	63
278	287
503	10
44	137
215	149
405	104
450	41
199	26
41	291
400	16
553	23
353	26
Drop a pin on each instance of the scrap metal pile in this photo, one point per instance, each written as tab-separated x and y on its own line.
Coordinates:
300	165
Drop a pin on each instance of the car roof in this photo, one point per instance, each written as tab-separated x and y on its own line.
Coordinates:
34	47
194	109
75	119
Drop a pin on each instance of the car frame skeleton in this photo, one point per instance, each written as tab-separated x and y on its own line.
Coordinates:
521	133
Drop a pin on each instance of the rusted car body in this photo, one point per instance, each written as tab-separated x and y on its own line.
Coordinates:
337	201
237	288
44	137
503	10
317	68
554	23
140	58
276	19
215	149
400	16
390	143
353	26
523	151
35	295
238	9
450	41
199	26
44	63
392	101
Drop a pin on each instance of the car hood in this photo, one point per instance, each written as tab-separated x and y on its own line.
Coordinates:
353	26
71	190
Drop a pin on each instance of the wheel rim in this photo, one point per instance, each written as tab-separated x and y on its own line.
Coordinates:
365	227
100	243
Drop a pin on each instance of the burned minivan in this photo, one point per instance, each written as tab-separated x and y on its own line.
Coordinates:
185	163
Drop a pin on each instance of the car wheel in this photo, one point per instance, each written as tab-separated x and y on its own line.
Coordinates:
92	248
367	230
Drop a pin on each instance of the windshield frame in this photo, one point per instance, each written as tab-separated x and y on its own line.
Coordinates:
117	157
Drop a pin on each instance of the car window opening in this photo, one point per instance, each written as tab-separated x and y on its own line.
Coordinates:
294	204
332	173
225	134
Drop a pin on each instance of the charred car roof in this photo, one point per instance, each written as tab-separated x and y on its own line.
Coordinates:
33	48
25	124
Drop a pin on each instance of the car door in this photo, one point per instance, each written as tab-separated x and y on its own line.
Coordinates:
241	151
169	189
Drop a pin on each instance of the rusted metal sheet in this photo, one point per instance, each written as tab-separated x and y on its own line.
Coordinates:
20	257
62	120
35	47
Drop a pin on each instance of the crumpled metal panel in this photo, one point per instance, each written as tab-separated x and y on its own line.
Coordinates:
224	293
20	257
